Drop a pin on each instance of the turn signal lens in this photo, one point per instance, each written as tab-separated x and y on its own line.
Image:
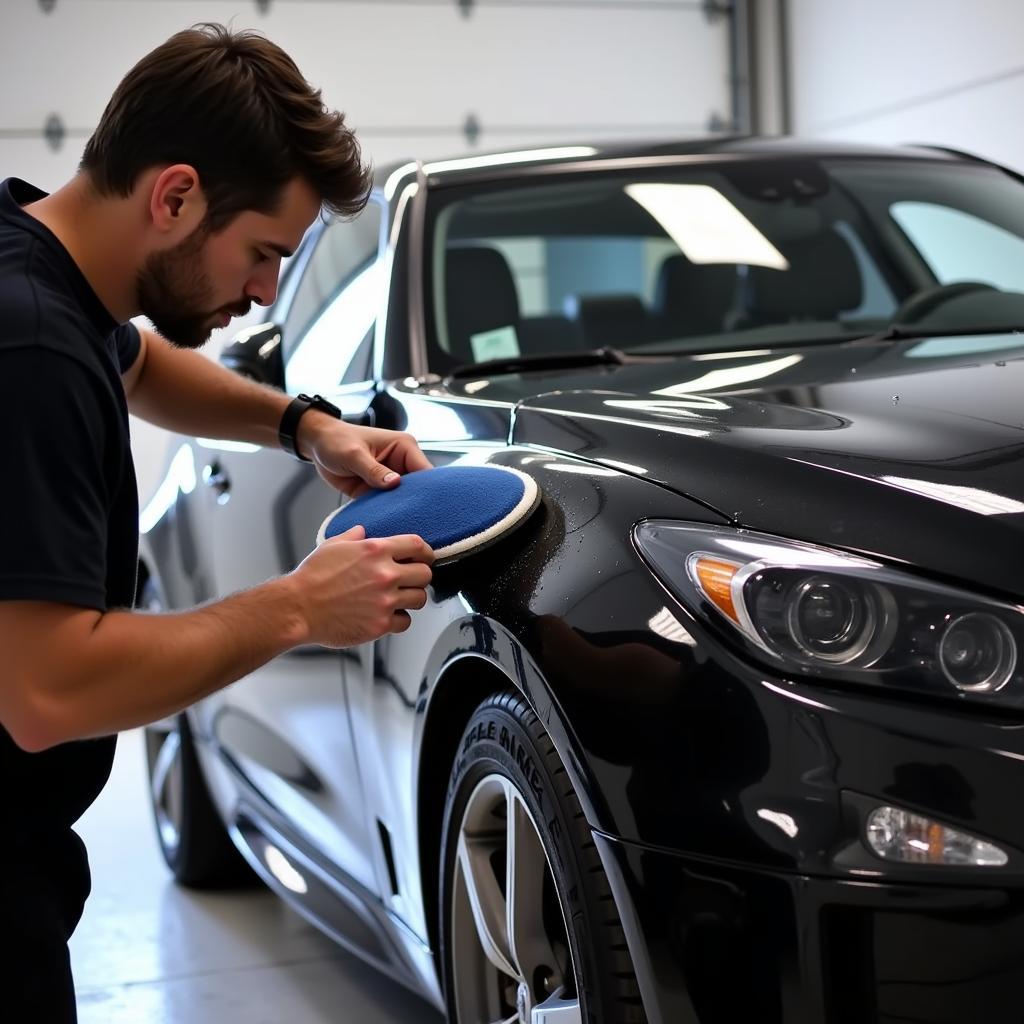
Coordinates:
898	835
715	579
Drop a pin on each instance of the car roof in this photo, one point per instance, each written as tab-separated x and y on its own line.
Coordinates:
469	167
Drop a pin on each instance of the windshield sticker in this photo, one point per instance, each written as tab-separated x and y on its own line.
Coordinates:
501	343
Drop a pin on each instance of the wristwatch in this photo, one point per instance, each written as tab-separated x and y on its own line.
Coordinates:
289	427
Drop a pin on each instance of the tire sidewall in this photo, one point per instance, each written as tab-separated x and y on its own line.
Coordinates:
496	742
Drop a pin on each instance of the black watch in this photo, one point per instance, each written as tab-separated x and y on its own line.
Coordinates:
289	427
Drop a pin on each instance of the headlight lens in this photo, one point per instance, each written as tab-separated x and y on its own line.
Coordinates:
827	618
978	653
823	612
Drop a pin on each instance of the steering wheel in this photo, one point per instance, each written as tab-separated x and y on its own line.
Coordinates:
927	300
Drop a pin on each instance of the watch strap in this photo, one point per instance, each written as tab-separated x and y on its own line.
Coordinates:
289	427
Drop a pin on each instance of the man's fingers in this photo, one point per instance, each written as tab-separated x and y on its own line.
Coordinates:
408	547
352	533
411	597
400	622
414	574
372	472
414	459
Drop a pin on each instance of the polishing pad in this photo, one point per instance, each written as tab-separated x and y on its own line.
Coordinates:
455	509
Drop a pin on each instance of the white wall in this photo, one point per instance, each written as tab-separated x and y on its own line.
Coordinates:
408	73
938	71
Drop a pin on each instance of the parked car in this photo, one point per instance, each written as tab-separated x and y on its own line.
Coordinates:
733	728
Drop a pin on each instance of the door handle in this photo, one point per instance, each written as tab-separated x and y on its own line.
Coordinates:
218	481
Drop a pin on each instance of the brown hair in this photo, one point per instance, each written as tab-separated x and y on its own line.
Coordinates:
235	107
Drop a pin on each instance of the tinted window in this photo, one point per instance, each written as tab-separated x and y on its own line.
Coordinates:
959	246
343	250
721	256
338	347
328	334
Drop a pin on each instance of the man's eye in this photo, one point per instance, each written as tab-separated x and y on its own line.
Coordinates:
261	257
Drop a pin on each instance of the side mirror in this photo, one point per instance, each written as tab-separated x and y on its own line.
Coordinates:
256	352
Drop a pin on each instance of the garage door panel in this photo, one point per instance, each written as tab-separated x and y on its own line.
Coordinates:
588	64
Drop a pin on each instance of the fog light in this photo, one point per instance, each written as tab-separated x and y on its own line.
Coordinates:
899	835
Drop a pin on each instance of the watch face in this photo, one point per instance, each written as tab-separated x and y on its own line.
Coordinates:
321	403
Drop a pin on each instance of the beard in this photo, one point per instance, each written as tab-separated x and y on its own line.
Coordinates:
175	293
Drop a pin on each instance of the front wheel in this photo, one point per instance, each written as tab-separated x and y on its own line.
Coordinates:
530	931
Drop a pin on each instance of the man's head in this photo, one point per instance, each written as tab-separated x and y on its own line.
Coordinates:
231	153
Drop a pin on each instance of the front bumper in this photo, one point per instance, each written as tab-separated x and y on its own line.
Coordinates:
713	942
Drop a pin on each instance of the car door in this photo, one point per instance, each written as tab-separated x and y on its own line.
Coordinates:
286	727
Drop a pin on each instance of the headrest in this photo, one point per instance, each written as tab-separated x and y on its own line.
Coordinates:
480	295
822	281
610	319
694	298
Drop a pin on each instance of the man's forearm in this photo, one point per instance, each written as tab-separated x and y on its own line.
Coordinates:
135	668
188	393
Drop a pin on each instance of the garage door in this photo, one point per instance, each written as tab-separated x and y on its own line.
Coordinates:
416	77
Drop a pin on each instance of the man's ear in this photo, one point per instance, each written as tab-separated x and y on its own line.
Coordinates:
177	205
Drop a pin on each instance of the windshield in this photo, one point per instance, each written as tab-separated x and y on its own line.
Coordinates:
730	256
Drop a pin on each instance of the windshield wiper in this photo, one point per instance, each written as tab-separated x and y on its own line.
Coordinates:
548	361
895	332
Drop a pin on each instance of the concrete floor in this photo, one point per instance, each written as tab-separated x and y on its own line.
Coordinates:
148	951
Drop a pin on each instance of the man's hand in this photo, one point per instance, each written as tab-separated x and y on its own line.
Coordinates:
185	392
351	590
357	459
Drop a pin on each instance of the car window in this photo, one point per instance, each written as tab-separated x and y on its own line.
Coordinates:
960	246
338	347
739	255
550	272
328	333
344	249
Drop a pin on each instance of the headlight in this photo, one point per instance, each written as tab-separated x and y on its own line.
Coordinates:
821	612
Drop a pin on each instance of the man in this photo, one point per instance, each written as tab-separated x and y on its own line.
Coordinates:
210	162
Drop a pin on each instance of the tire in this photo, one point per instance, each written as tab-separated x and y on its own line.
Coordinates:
193	840
567	953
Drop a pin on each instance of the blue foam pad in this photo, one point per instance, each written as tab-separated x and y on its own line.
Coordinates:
455	509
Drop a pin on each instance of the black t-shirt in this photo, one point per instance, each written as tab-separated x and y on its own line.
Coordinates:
69	505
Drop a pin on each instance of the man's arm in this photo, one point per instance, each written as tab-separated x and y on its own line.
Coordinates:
71	673
185	392
188	393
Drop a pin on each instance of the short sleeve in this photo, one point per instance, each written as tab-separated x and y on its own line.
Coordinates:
54	507
127	344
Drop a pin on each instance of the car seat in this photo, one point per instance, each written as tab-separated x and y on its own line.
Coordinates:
823	280
481	296
693	298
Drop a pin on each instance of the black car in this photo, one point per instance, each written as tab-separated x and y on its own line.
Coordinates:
732	729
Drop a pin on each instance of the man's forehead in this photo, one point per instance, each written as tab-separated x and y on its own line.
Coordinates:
287	225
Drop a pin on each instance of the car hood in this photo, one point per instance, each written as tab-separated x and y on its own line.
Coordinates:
911	451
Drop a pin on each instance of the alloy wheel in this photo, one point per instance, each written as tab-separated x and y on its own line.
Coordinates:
511	957
166	782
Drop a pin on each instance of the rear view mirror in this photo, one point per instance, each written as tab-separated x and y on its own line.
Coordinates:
256	352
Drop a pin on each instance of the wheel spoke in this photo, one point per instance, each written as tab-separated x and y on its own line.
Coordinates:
163	766
486	899
557	1010
527	867
163	783
507	923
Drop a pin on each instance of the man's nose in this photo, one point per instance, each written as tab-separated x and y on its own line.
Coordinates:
262	286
